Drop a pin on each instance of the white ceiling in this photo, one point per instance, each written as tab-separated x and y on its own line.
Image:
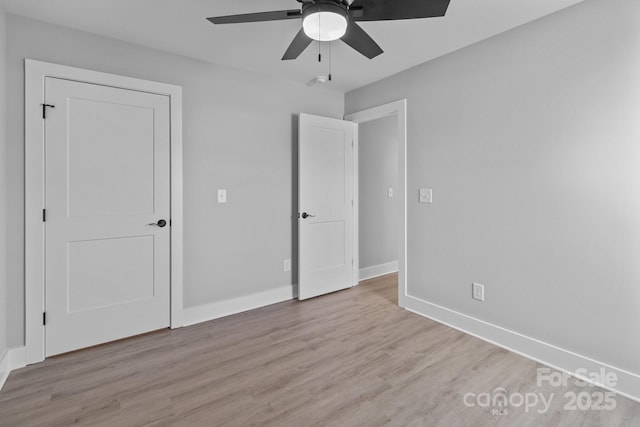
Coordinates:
179	26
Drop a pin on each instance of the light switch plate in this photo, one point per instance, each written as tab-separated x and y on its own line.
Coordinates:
426	195
478	291
287	265
390	191
222	196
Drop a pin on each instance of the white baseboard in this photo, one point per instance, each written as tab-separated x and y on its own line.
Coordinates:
628	384
4	368
206	312
13	358
378	270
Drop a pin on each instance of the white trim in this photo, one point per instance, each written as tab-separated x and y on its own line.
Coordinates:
4	368
628	384
399	109
177	218
12	359
35	74
216	310
356	205
378	270
17	358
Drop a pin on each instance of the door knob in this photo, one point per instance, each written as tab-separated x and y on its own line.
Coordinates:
306	215
161	223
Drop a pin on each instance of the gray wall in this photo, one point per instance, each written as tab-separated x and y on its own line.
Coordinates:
378	170
238	134
3	185
531	143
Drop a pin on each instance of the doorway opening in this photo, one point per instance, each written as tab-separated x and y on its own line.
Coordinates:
380	191
377	185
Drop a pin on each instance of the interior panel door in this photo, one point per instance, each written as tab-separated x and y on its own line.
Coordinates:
107	186
326	221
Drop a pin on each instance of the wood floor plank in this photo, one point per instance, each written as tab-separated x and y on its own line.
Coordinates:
351	358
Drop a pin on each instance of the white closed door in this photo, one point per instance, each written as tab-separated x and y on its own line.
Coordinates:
325	200
107	177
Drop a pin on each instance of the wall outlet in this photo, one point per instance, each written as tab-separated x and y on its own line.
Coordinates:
478	292
222	196
287	265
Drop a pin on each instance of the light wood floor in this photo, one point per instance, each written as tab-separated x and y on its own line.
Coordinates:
352	358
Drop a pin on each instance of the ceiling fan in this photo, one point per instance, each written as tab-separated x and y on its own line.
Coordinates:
328	20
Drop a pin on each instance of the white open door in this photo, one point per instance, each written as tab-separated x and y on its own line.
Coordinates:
107	162
325	201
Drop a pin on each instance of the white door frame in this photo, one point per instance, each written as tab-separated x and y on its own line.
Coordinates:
399	109
35	74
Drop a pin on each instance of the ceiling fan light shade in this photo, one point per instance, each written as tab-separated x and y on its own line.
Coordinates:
325	22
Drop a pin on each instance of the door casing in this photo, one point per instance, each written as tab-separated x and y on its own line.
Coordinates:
399	109
35	74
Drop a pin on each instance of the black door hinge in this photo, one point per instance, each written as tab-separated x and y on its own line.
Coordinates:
44	318
44	109
44	215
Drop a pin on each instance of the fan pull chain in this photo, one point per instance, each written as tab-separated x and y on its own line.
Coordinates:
329	61
319	28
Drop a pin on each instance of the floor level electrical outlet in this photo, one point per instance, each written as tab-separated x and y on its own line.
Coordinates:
478	291
287	265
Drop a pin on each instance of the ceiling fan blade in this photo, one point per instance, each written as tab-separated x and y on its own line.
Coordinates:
358	39
385	10
297	46
277	15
